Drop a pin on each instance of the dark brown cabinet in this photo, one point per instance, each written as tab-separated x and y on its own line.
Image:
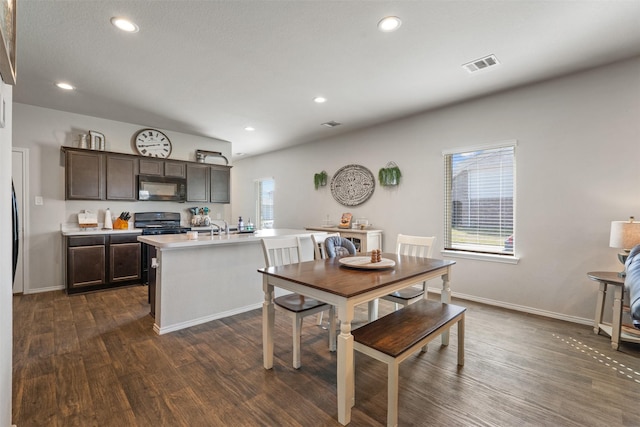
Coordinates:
85	177
220	184
102	261
157	167
198	183
121	177
208	183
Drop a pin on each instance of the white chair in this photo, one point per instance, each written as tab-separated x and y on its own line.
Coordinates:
417	246
318	244
285	251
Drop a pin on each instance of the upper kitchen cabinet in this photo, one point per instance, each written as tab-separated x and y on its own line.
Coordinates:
198	186
220	184
208	183
121	177
85	176
158	167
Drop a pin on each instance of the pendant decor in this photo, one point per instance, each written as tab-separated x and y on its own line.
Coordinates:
320	179
352	185
389	175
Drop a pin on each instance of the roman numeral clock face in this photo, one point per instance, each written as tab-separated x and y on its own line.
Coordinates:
152	143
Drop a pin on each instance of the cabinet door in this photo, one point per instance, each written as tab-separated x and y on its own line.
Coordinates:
198	183
220	184
175	169
151	167
84	175
85	266
121	177
124	262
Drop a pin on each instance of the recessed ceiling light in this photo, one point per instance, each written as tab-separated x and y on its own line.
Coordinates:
125	25
319	99
331	124
390	23
65	86
249	128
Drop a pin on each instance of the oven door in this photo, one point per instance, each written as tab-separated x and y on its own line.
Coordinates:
162	188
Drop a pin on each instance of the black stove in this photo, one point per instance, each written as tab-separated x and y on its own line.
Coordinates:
155	223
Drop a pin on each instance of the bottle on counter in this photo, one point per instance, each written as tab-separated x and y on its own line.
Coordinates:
240	224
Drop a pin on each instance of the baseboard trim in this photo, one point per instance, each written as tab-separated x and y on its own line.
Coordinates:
205	319
516	307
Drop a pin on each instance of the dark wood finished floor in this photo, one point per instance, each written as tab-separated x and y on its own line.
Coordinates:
93	360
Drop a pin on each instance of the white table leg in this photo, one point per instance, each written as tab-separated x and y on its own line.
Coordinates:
602	294
268	320
373	310
345	371
616	323
445	297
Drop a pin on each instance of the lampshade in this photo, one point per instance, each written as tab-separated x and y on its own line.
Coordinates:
624	234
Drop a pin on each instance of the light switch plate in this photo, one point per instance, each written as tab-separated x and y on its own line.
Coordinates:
39	201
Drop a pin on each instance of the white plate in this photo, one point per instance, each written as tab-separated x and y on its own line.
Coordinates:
365	263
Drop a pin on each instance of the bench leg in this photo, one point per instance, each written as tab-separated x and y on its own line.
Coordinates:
461	340
392	393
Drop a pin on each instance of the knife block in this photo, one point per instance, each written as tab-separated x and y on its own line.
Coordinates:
120	224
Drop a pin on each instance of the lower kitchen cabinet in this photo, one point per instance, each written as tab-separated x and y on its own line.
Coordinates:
102	261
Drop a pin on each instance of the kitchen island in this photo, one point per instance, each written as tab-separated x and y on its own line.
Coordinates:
211	277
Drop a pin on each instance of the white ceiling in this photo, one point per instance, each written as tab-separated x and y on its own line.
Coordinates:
211	68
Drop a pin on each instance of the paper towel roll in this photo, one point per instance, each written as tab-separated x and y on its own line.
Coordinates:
108	224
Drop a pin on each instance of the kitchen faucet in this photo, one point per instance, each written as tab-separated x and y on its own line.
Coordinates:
226	227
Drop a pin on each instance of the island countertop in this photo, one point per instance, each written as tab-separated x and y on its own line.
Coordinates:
176	241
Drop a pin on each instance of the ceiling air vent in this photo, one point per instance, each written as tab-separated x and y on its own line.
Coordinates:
481	64
331	124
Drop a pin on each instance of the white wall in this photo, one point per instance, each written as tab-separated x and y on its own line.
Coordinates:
43	131
6	266
576	160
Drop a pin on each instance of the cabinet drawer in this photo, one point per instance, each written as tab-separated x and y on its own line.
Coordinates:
75	241
123	238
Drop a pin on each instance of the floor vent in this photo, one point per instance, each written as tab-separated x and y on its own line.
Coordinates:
331	124
481	64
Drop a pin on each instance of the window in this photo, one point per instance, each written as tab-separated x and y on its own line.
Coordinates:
264	203
479	199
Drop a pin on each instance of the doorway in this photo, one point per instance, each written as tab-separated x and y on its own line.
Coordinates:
20	174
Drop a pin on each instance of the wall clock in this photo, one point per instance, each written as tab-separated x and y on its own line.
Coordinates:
352	185
152	143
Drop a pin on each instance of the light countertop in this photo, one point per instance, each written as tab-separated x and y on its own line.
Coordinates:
205	239
75	230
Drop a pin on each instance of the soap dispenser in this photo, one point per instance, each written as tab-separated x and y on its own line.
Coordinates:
240	224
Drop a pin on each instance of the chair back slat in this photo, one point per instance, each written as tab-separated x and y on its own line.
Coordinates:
281	251
318	239
417	246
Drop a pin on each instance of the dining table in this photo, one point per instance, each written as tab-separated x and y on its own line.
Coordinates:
344	283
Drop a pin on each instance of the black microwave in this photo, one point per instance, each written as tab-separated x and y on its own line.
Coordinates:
162	188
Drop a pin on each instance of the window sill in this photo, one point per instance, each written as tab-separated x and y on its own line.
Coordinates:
505	259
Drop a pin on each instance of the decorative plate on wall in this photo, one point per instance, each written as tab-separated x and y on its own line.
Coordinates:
352	185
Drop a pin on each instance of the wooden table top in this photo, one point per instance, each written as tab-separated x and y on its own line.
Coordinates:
611	277
328	275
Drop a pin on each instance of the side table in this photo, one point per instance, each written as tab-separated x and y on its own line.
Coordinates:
613	329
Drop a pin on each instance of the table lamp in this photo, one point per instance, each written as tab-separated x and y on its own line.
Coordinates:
624	235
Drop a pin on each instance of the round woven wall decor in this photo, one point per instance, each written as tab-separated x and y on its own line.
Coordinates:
352	185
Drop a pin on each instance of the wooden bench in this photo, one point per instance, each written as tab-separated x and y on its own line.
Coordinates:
396	336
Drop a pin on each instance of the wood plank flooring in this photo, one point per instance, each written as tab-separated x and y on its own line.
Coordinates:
93	360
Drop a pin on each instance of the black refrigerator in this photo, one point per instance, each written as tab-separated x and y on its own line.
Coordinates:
15	228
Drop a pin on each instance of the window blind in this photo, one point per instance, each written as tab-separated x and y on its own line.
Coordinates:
479	200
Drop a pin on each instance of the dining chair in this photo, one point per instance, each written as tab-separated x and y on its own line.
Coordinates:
284	251
318	243
416	246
